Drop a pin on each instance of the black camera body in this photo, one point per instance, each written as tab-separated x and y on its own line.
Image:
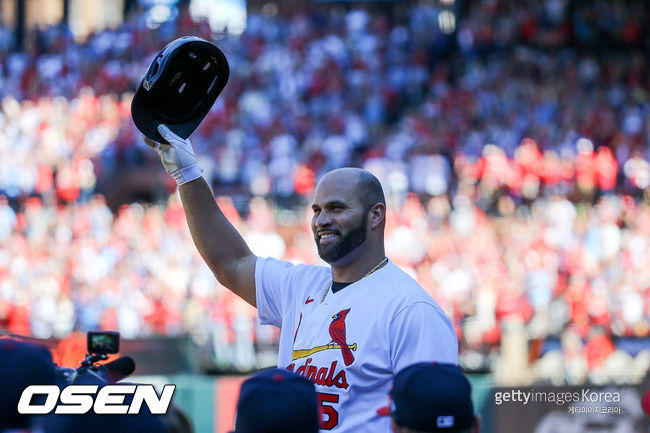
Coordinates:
98	345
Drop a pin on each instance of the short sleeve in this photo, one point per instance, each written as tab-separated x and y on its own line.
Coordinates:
275	282
422	332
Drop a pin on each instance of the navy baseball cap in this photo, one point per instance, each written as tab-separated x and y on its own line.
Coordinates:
180	87
431	397
21	364
277	401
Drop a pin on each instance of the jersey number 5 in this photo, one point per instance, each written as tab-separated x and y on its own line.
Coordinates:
332	415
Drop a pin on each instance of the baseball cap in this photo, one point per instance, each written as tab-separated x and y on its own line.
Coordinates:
431	397
21	364
179	88
277	401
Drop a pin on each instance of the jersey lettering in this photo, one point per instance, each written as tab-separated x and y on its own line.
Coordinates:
328	410
322	376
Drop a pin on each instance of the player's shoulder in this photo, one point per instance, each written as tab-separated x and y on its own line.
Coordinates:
285	267
393	275
401	298
396	284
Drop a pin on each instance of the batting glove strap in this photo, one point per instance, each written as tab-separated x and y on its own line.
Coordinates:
187	174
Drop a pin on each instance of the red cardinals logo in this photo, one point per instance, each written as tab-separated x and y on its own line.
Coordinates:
337	332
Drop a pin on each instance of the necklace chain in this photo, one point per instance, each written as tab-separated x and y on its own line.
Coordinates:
377	266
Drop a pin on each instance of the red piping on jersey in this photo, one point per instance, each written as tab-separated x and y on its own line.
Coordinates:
296	334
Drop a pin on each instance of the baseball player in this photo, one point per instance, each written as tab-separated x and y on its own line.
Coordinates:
348	327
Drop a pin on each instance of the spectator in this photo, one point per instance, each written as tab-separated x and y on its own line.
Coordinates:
431	397
21	365
277	401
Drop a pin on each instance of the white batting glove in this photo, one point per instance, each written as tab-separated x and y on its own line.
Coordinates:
177	157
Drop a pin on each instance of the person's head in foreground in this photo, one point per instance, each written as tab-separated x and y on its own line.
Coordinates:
430	397
277	401
21	364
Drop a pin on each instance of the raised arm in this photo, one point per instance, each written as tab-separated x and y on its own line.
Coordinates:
220	245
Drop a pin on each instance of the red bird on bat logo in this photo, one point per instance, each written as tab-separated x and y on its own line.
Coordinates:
337	332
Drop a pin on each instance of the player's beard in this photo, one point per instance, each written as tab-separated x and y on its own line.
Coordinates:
346	244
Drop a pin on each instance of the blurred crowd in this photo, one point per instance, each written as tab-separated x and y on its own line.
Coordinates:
308	93
566	272
513	151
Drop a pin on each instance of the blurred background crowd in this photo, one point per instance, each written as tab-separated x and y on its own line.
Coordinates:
512	141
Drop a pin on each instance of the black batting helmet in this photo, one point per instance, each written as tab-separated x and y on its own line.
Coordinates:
179	87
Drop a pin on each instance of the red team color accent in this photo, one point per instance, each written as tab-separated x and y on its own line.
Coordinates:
337	332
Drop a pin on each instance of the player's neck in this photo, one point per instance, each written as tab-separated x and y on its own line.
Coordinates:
358	267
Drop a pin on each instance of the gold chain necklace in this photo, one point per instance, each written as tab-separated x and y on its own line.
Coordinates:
377	266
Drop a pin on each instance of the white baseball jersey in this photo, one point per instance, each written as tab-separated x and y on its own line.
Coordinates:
353	343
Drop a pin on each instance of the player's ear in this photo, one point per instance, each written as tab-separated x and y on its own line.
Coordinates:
377	215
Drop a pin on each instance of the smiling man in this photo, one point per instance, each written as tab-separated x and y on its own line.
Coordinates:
348	327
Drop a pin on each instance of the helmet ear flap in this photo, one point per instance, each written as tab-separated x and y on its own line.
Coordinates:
179	88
